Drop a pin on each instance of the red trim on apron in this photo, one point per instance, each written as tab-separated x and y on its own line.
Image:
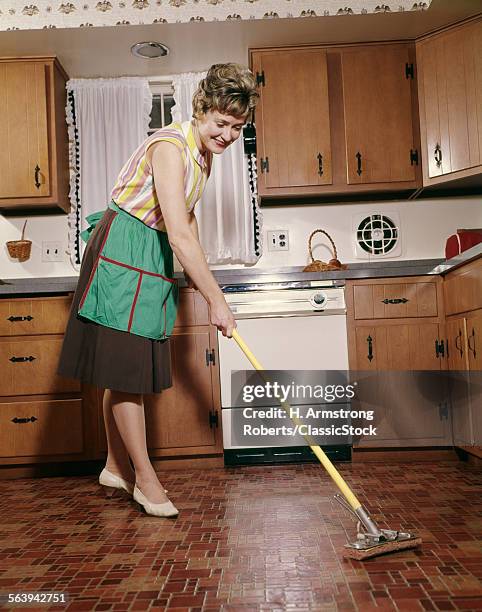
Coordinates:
94	267
134	301
124	265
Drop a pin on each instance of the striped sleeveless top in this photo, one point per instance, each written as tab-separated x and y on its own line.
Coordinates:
134	190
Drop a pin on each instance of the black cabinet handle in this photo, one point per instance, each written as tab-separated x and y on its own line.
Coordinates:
395	301
37	176
472	337
22	359
438	155
320	164
24	419
13	319
358	159
459	348
264	163
370	348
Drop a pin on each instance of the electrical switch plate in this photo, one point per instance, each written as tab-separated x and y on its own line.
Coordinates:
52	251
278	240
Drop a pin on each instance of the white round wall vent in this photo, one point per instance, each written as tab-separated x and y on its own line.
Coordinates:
377	235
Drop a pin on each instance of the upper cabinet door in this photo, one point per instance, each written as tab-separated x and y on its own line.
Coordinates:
24	154
378	114
292	119
450	66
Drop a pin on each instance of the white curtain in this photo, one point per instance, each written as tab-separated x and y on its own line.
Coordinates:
225	214
108	119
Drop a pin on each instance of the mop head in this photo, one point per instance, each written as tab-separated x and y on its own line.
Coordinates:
372	546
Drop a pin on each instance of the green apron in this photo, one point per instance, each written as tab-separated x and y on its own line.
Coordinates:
131	286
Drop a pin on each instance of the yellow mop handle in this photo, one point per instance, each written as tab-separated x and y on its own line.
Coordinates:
327	464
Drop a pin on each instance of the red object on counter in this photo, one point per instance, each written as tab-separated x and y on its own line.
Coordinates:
461	241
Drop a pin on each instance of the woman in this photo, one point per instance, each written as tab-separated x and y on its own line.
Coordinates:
125	305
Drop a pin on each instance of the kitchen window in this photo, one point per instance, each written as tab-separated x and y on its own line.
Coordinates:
162	103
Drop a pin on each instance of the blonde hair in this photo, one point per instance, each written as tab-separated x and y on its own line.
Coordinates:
228	88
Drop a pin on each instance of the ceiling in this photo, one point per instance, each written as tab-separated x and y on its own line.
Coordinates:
105	51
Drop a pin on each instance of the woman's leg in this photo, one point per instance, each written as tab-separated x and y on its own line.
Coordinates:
117	456
128	412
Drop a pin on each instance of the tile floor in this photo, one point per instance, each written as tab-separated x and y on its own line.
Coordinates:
250	538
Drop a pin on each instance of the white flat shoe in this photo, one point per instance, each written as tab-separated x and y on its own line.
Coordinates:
112	482
165	509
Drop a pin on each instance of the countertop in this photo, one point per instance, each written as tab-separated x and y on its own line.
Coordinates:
378	269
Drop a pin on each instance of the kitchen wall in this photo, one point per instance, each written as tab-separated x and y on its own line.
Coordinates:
424	225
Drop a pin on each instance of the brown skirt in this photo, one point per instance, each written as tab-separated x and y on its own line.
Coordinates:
105	357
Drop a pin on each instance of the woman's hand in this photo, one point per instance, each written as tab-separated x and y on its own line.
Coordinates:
223	318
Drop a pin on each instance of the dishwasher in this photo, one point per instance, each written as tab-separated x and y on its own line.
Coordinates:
292	325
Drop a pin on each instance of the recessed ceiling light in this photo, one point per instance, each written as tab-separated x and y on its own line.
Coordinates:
149	50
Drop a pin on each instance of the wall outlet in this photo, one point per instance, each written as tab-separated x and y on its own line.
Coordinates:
52	251
278	240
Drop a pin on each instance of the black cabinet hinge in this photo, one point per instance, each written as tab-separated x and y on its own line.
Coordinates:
210	357
439	348
213	419
443	410
409	71
414	157
260	78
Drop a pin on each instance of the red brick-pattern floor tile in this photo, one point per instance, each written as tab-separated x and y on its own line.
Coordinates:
250	538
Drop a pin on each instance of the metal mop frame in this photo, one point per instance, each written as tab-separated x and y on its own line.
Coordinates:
370	542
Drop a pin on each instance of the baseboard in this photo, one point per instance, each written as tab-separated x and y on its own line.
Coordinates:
88	468
48	470
188	463
391	455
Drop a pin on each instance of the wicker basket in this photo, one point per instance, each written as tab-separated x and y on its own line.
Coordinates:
20	249
320	266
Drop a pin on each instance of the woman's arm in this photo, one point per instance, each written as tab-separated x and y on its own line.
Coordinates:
168	170
195	230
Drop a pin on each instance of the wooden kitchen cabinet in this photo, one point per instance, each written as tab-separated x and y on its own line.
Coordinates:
463	298
456	343
450	95
44	418
395	323
463	288
185	420
292	119
39	428
28	367
409	346
393	300
396	327
474	340
34	168
381	146
336	121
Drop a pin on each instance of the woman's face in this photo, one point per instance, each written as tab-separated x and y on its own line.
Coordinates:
218	131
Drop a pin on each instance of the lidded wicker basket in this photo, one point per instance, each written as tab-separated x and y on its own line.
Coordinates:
320	266
20	249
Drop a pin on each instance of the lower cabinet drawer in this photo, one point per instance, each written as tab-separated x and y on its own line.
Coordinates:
52	427
28	367
23	317
397	300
